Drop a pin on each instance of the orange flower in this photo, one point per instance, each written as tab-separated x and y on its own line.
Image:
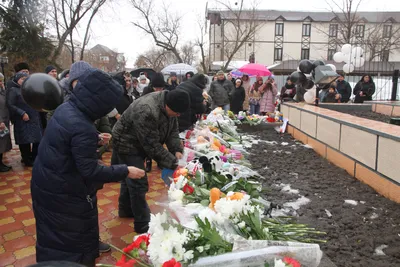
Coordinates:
215	194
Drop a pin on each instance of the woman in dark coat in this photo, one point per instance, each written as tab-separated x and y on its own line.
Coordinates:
194	87
66	173
27	124
238	96
5	139
364	89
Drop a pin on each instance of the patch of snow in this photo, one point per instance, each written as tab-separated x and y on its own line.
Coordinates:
373	216
294	174
328	213
363	202
284	143
379	250
351	202
288	152
287	189
271	142
298	203
307	146
266	168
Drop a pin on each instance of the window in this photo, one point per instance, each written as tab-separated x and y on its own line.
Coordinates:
360	29
385	55
104	58
278	54
306	29
279	29
387	31
333	30
305	53
331	52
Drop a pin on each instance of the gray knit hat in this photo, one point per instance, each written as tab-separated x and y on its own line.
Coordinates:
220	72
77	69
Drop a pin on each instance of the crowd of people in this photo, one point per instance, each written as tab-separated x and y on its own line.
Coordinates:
144	115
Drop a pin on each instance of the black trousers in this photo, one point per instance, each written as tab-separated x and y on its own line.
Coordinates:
29	151
132	197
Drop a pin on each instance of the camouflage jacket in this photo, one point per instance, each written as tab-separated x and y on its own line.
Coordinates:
143	129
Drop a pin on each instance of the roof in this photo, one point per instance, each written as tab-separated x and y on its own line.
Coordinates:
102	49
327	16
386	68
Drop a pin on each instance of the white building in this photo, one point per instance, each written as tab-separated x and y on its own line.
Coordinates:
293	35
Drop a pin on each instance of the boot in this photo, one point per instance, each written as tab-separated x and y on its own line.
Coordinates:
4	168
103	247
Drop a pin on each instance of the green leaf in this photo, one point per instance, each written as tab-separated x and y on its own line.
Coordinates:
205	202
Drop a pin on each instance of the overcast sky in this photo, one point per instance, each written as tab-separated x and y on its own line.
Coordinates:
115	30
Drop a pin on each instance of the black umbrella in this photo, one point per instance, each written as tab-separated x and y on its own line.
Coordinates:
147	71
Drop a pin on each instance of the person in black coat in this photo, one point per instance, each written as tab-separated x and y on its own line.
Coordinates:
126	99
364	89
343	88
188	75
172	81
27	122
157	84
66	173
237	97
194	87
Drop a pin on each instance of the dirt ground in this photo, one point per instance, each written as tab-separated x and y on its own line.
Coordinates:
369	115
354	232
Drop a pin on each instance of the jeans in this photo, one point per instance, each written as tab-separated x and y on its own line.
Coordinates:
132	196
254	109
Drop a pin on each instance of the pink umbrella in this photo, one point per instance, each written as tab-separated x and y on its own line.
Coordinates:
255	69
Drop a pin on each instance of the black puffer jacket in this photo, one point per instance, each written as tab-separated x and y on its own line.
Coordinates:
368	90
194	87
145	127
66	173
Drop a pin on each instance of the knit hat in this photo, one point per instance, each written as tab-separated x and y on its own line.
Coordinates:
18	76
158	80
177	100
199	80
77	69
1	77
142	77
238	80
172	74
191	73
49	68
21	66
220	72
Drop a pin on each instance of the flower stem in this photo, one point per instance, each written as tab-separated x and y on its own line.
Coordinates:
129	256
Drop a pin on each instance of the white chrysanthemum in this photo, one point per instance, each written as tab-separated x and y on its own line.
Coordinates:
279	263
176	195
241	225
188	255
156	222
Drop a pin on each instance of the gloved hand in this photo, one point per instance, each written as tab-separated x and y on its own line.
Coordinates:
166	175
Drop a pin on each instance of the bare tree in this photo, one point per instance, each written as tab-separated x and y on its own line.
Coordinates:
86	38
352	28
154	58
163	27
188	53
66	15
201	42
240	27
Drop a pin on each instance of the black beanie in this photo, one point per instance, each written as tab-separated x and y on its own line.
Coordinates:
199	80
49	68
21	66
158	80
177	100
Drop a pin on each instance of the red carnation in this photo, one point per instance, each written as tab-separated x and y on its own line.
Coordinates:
291	262
171	263
188	134
187	189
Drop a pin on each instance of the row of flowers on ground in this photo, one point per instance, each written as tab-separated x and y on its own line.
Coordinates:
216	214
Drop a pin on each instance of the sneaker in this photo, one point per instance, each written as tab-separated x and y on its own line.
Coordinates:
103	247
